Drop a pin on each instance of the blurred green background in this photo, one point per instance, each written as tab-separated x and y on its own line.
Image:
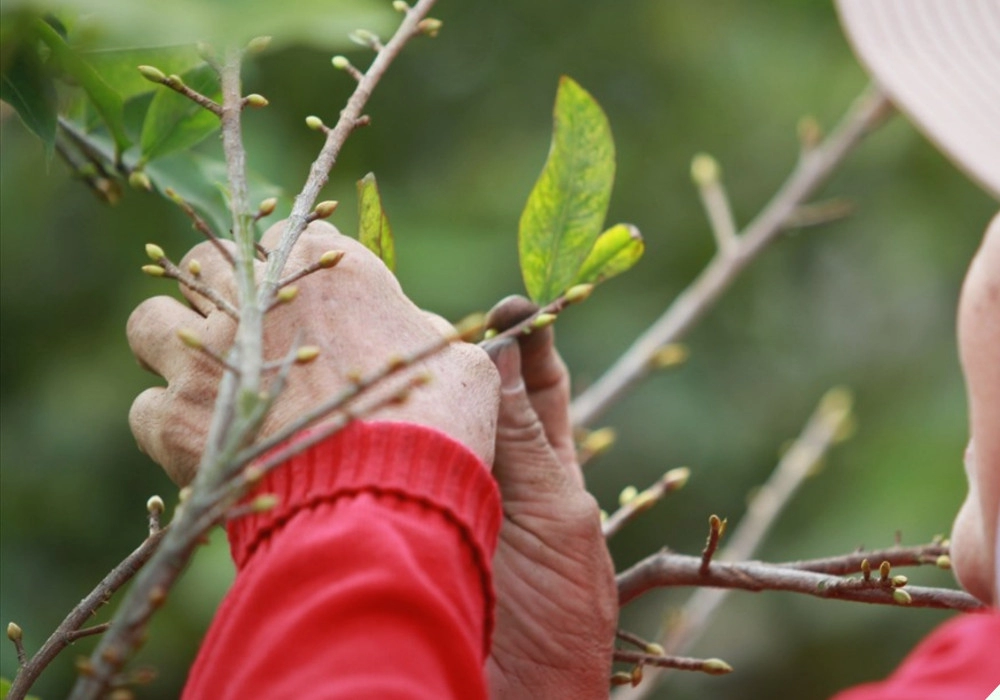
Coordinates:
460	129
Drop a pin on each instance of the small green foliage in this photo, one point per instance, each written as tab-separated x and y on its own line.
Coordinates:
340	62
173	122
155	252
27	86
373	224
314	122
615	251
152	74
566	208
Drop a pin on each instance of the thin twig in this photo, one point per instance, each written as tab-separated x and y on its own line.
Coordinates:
716	528
825	426
175	83
84	610
923	555
668	569
194	284
713	667
811	171
672	481
200	225
87	632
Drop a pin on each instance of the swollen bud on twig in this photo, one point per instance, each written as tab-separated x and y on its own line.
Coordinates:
900	581
810	132
542	321
14	632
287	294
400	6
902	596
330	258
655	649
267	207
340	62
194	267
578	293
598	441
314	122
255	100
191	339
154	506
140	181
705	170
258	44
264	503
884	569
429	26
154	270
621	678
716	667
636	675
155	252
324	209
866	569
306	354
669	355
943	562
174	81
627	495
152	74
470	327
363	37
678	477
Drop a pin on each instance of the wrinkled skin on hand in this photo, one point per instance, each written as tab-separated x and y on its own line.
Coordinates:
557	603
974	536
358	316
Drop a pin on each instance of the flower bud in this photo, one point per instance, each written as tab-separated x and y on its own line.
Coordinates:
429	26
154	270
578	293
669	355
363	37
400	6
705	170
189	338
258	44
330	258
267	207
542	321
340	62
287	294
314	122
655	649
306	354
899	581
621	678
264	503
154	506
194	267
140	181
155	252
257	101
884	569
324	209
943	562
14	632
716	667
901	596
152	74
627	495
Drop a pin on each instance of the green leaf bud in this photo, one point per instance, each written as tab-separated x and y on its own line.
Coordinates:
189	338
716	667
306	354
184	494
400	6
264	503
154	506
943	562
627	495
636	675
599	441
155	252
542	321
655	649
363	37
899	581
470	327
287	294
884	569
330	258
429	26
314	122
194	267
154	270
578	293
902	596
324	209
669	355
267	207
257	101
258	44
14	632
604	515
866	569
152	74
340	62
140	181
678	477
705	170
174	80
621	678
490	333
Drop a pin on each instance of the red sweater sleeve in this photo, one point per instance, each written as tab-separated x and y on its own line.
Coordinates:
960	660
370	579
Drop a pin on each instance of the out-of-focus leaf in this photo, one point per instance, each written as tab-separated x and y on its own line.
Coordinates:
138	23
565	211
173	122
614	252
108	103
119	67
200	181
373	225
27	87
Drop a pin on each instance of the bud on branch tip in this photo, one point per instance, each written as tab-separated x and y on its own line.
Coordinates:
314	122
154	506
325	209
705	170
330	258
152	74
14	633
155	252
154	270
189	338
306	354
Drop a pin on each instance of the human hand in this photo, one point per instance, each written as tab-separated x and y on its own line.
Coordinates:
557	603
358	316
974	536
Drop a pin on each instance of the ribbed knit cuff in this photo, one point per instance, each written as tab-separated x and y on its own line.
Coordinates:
402	459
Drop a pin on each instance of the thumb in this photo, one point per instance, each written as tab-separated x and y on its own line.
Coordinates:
526	466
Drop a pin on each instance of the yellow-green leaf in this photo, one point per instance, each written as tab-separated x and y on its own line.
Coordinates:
614	252
565	211
373	225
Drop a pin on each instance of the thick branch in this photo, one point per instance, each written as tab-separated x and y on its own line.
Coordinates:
812	170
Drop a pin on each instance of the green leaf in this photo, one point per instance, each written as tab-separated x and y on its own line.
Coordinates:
616	250
108	103
119	67
565	211
373	225
175	123
199	180
27	87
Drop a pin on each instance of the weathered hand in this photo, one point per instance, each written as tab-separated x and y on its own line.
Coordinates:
974	540
557	604
358	316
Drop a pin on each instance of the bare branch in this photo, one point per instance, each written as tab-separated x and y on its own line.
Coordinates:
200	225
714	667
922	555
812	170
716	528
194	284
672	481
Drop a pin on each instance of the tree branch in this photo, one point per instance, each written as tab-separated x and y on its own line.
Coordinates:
814	166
